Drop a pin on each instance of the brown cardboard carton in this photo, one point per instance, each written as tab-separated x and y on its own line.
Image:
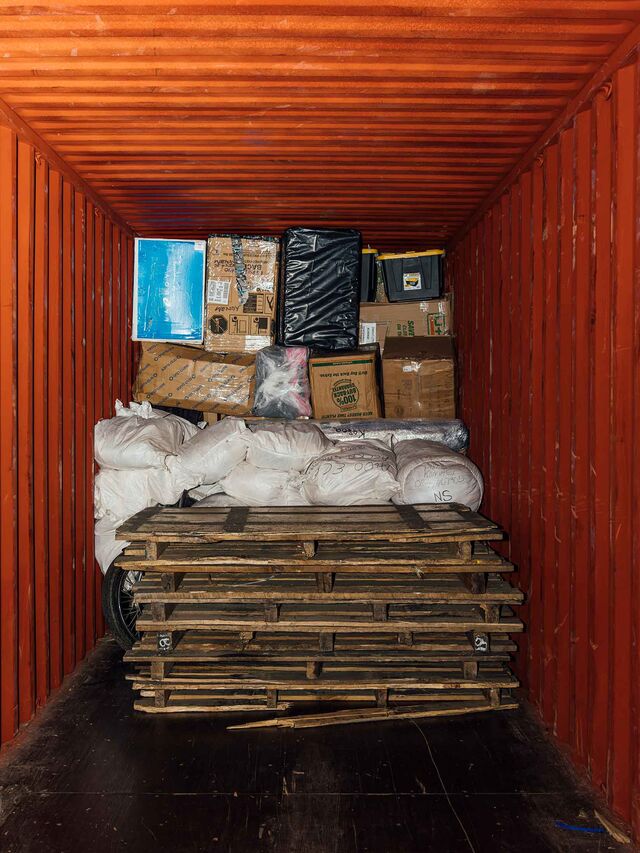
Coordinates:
193	379
419	377
242	275
373	333
345	385
404	319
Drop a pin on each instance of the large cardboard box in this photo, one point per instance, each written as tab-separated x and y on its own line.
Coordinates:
345	385
193	379
404	319
241	297
419	377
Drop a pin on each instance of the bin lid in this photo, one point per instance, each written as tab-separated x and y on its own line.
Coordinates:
369	251
394	257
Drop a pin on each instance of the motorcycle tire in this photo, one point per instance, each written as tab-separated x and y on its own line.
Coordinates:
119	610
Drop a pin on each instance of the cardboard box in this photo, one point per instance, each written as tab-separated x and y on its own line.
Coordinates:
193	379
373	333
404	319
241	297
345	385
419	377
168	290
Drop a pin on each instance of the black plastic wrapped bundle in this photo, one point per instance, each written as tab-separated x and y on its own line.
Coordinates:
320	289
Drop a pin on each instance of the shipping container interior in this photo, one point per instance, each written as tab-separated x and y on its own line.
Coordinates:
506	131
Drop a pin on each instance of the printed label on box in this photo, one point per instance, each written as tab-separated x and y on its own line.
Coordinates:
436	324
256	342
368	333
411	281
345	394
218	291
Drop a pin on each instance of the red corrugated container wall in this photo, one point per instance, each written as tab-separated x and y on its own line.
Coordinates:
547	305
65	291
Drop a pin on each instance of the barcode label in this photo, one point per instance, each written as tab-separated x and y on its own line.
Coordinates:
218	291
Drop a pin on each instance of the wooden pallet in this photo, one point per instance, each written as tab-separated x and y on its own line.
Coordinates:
270	608
208	646
353	557
159	697
431	523
330	618
331	674
346	587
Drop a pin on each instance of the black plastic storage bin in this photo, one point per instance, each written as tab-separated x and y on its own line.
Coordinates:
319	299
412	275
368	274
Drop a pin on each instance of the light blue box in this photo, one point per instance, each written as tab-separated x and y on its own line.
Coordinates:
168	290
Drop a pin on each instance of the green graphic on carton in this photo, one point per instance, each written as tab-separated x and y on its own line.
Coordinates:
345	394
437	324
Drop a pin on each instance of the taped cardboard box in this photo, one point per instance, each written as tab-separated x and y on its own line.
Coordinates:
241	294
193	379
345	385
419	377
431	317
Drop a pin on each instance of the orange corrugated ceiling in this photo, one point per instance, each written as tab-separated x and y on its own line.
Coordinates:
397	119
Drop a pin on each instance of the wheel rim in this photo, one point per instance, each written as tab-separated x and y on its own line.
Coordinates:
129	611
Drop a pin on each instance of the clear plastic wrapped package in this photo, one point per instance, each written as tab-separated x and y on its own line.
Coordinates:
453	433
282	383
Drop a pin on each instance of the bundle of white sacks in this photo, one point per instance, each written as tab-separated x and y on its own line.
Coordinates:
148	457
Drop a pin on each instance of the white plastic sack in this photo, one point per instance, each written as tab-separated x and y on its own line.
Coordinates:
264	487
285	446
431	473
204	491
107	547
138	441
352	472
122	494
213	451
146	410
219	500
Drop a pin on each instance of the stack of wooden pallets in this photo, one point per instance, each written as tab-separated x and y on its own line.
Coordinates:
396	610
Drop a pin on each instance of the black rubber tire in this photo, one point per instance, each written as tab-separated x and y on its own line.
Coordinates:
117	605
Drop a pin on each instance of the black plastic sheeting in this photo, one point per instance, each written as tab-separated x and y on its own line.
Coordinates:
320	288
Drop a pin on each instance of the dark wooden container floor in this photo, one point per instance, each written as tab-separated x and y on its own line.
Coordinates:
92	775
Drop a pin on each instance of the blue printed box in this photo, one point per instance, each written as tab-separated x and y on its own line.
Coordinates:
168	290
